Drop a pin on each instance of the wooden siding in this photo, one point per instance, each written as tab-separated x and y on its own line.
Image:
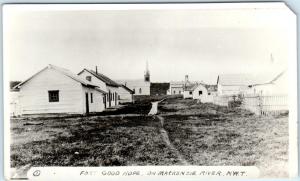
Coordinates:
125	96
103	86
34	94
97	105
204	97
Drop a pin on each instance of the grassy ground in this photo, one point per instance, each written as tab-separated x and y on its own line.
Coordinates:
204	134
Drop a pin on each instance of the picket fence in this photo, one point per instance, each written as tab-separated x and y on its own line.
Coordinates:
258	104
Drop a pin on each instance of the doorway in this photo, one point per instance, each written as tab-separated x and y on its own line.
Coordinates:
87	103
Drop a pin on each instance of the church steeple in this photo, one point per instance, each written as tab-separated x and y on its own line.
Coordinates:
147	74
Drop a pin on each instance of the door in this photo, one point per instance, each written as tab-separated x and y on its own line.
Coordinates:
104	101
87	108
116	98
109	98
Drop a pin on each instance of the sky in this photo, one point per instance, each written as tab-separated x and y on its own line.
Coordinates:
201	42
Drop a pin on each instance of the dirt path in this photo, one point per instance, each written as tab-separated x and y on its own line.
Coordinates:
164	133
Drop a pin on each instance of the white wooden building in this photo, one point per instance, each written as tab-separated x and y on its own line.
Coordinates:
176	88
278	85
125	94
57	90
139	86
111	99
203	92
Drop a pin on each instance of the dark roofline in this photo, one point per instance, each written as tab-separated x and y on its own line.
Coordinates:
129	90
110	83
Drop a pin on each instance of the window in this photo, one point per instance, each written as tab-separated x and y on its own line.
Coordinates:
92	98
174	92
140	91
179	92
200	92
113	96
191	92
209	93
89	78
53	96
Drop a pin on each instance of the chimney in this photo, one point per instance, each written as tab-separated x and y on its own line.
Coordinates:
96	70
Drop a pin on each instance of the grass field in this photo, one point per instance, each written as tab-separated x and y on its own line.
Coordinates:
204	134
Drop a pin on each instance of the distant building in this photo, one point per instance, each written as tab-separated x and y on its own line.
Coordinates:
204	93
176	88
159	88
104	83
235	84
125	94
278	85
188	88
57	90
140	86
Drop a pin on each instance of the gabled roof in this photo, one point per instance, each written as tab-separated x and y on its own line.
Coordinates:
102	77
241	79
129	90
62	71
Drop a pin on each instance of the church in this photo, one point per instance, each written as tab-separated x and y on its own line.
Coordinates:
139	86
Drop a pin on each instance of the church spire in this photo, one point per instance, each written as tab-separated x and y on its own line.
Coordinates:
147	73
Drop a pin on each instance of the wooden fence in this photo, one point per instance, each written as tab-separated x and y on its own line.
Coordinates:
258	104
222	100
266	104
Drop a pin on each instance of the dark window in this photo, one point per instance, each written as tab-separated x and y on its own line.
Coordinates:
179	92
174	92
119	97
113	96
53	96
191	92
200	92
140	91
89	78
209	93
104	99
92	98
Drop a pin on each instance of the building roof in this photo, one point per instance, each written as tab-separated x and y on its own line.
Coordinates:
64	72
211	88
126	88
242	79
100	90
133	82
249	79
102	77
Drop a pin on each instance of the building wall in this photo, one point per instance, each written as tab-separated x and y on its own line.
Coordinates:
231	89
176	90
139	88
97	104
94	80
112	96
14	103
204	97
187	94
34	98
125	96
159	88
111	91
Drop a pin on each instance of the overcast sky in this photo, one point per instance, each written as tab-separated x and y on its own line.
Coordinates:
201	42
